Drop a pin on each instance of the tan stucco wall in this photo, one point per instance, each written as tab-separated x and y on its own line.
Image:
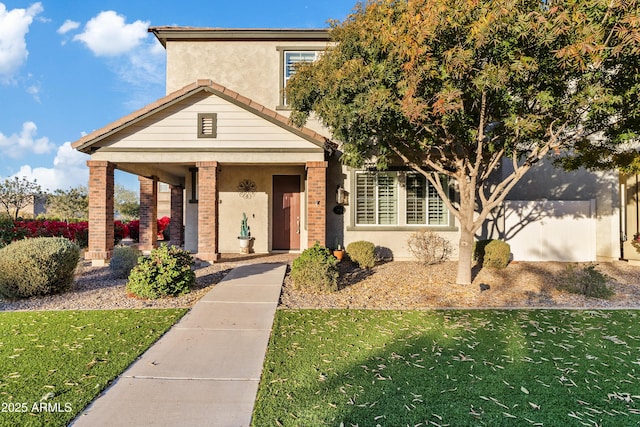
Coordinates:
258	207
249	67
630	186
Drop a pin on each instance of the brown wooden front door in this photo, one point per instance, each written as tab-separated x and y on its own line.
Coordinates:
286	212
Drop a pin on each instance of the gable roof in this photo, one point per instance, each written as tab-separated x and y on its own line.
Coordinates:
85	143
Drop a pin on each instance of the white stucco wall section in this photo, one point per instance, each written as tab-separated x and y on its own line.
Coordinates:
175	127
551	230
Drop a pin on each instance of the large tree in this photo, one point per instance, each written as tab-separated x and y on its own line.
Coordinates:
455	87
69	204
18	193
126	203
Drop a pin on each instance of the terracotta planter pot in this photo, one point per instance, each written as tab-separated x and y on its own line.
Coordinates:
338	254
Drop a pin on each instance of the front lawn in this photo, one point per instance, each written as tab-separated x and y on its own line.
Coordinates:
452	368
53	363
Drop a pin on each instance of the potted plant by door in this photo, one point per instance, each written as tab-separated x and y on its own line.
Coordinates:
245	238
338	251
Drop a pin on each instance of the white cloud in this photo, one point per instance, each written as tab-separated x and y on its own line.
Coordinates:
130	52
69	170
14	25
107	34
34	91
17	145
67	26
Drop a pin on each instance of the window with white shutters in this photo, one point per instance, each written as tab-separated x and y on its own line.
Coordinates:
424	205
376	198
291	58
416	200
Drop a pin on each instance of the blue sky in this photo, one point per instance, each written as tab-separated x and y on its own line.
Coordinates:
68	67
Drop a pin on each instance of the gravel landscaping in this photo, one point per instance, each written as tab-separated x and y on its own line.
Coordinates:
391	285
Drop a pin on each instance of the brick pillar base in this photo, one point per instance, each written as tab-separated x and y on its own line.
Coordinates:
100	212
175	226
148	213
208	211
316	203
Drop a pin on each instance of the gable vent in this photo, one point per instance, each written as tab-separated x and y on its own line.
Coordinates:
207	125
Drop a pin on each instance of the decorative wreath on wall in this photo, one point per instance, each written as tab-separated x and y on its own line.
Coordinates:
246	188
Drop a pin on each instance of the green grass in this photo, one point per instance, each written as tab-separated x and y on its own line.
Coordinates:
53	363
452	368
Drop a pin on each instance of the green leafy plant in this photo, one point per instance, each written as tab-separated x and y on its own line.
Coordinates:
586	281
492	253
496	254
245	231
165	272
428	247
38	266
362	253
123	260
315	270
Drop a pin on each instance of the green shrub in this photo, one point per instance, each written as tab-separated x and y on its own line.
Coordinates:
315	270
123	260
478	250
362	253
492	253
496	254
38	266
166	272
587	281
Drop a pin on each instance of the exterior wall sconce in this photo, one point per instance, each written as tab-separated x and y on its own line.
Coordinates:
342	196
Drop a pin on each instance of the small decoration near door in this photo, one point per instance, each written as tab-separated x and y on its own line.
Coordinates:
245	239
246	188
338	251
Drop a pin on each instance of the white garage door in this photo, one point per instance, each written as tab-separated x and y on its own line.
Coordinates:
558	230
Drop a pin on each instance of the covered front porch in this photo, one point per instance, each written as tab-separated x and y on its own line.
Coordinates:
285	205
222	155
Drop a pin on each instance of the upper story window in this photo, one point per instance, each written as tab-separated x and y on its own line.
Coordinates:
289	59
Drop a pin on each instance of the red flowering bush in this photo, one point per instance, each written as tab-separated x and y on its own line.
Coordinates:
134	230
163	226
134	227
77	232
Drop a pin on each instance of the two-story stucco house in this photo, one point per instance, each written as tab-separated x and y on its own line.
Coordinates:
221	140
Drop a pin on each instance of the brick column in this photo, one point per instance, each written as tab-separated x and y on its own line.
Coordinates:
100	211
177	211
208	211
148	213
316	203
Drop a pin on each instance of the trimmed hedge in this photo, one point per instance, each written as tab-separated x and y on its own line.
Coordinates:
492	253
315	270
38	266
123	260
165	272
362	253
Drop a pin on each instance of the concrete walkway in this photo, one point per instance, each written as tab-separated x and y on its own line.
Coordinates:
205	371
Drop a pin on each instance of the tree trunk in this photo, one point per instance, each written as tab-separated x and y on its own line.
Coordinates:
465	257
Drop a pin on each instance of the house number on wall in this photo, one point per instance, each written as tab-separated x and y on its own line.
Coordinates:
246	188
